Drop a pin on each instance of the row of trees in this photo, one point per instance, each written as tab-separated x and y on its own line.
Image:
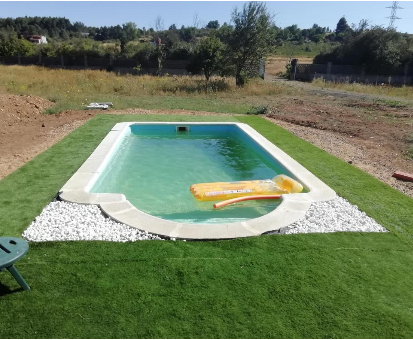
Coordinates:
375	48
224	49
52	27
61	29
233	49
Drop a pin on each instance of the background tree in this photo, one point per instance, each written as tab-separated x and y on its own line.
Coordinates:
224	33
129	33
159	24
187	34
170	38
196	22
342	26
24	48
376	48
61	29
207	57
160	55
213	25
342	29
250	40
159	52
362	26
10	45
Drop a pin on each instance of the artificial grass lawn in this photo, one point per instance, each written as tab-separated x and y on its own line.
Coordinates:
328	285
199	103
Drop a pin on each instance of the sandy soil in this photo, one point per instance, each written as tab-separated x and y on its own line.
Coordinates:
25	131
370	136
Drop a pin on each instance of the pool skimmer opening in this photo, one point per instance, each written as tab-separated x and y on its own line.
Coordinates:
182	129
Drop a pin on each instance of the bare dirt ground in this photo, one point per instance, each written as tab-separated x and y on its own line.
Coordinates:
25	131
371	136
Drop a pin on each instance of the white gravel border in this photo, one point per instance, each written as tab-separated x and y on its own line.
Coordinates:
333	216
64	221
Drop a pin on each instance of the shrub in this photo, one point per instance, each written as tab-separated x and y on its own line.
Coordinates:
258	110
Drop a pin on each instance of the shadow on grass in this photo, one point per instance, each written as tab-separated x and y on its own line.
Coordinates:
5	290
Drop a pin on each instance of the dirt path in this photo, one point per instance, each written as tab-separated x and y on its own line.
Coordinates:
334	93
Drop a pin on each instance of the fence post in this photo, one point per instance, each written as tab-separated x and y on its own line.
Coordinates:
85	57
62	61
329	70
363	73
406	70
262	68
40	59
18	60
294	63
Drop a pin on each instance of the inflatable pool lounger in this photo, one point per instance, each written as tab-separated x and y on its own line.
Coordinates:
279	185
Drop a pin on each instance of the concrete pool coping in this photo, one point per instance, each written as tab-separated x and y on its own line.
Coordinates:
292	208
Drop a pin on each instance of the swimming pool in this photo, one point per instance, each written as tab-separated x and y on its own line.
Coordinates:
141	173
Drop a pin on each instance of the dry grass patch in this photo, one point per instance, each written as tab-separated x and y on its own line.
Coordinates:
71	89
63	82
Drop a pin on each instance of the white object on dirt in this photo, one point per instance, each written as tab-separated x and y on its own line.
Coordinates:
103	106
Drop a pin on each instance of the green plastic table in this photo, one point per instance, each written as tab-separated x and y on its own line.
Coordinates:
11	250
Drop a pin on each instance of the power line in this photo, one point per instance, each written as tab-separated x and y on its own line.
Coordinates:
393	17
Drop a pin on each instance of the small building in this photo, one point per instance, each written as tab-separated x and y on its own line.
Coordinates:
38	39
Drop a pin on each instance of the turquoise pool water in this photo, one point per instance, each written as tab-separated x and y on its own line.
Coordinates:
154	166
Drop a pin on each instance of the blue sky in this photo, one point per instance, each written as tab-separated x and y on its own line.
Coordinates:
143	13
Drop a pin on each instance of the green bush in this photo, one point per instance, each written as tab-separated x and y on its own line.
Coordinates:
10	45
258	110
180	51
